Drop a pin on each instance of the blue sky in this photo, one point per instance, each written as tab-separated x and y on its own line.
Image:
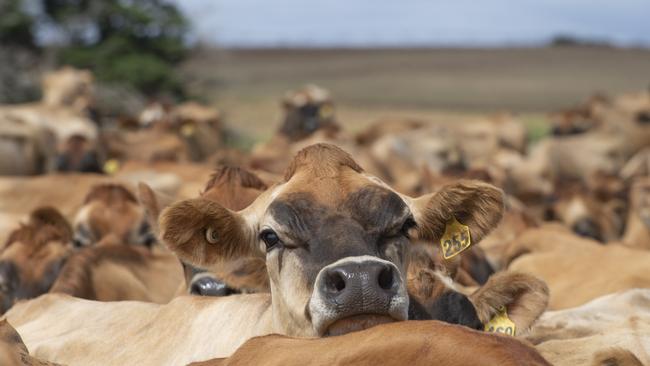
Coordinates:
250	23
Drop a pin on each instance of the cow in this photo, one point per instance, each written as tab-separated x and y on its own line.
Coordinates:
111	209
592	212
327	231
118	271
234	188
586	334
412	343
33	256
64	112
576	269
306	111
25	149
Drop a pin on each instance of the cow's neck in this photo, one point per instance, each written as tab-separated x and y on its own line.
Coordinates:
637	233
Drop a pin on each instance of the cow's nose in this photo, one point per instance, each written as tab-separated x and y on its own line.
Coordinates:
209	286
360	285
588	228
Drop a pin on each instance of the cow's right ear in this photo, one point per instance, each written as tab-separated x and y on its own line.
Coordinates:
204	233
476	204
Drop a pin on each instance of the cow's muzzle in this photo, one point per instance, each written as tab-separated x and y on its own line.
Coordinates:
355	293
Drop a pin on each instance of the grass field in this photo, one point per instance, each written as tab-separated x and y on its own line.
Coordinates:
435	84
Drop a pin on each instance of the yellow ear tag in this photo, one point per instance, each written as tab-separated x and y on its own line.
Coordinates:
111	166
500	323
188	130
326	111
455	240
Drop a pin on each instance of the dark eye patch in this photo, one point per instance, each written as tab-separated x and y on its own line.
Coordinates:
378	210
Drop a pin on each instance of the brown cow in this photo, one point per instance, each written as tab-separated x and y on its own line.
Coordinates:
328	232
576	269
403	343
33	255
117	272
64	114
111	209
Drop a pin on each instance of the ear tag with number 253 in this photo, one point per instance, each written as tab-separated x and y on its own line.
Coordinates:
455	239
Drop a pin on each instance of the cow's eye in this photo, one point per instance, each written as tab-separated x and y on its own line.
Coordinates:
408	224
270	238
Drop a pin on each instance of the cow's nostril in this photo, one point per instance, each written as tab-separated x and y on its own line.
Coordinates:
386	278
335	282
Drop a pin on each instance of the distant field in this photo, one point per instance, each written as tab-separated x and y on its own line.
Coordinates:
436	84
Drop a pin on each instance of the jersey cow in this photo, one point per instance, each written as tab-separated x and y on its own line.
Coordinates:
334	240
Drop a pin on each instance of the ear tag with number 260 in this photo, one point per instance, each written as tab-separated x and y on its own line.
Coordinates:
455	239
500	323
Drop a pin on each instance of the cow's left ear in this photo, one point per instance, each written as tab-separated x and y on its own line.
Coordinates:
475	204
524	297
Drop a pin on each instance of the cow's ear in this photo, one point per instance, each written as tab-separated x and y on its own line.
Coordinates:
524	297
474	204
153	203
203	233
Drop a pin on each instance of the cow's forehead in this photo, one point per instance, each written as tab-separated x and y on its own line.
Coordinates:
354	196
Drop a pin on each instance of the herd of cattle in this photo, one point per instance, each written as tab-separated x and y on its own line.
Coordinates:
318	245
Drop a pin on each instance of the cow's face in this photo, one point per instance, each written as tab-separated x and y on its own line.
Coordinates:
33	256
585	213
112	213
334	239
78	154
307	111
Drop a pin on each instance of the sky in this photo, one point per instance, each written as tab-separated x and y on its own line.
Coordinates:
377	23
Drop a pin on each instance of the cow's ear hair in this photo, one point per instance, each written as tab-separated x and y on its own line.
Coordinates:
475	204
153	203
525	298
204	233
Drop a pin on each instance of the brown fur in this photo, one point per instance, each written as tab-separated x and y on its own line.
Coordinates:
110	193
616	356
75	278
184	226
322	160
475	204
402	343
235	176
45	224
524	296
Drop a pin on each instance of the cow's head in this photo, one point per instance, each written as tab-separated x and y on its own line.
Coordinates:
112	213
307	111
592	212
334	239
78	154
33	256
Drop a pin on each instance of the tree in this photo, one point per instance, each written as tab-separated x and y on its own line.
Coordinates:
133	41
18	54
15	25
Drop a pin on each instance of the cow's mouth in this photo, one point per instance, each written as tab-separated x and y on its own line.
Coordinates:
356	323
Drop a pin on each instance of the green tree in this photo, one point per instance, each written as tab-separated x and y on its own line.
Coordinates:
15	25
137	42
19	55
